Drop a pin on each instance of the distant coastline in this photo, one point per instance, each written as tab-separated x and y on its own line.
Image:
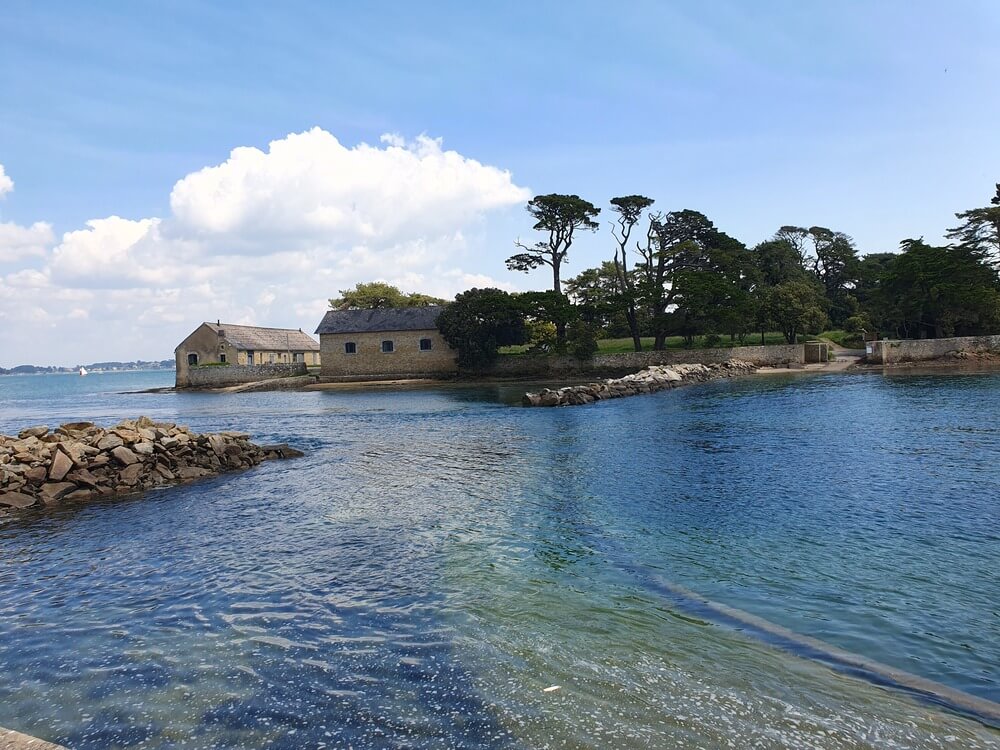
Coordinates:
94	367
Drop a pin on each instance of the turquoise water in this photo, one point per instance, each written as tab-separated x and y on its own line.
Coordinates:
441	556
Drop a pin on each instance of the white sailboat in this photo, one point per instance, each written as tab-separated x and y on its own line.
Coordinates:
83	370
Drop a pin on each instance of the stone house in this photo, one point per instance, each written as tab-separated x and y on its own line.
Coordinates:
226	344
386	343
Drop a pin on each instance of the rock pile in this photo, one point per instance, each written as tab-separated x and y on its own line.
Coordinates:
80	461
650	380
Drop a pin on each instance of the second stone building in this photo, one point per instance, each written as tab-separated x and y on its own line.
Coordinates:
384	344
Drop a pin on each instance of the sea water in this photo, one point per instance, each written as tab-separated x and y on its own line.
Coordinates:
442	559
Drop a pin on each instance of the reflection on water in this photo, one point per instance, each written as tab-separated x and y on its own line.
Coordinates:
439	558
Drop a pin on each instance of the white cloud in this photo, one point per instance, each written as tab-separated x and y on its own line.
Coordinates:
6	183
266	237
17	242
309	188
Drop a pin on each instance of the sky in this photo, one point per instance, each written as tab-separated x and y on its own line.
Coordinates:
167	163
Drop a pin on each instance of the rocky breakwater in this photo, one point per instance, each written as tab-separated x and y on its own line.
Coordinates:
81	461
650	380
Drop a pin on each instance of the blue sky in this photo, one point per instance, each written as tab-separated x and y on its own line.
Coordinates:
876	119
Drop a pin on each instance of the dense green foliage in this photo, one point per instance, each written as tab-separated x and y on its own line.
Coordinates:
480	321
690	284
376	295
692	280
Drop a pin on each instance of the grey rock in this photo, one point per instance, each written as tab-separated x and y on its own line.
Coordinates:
109	441
124	455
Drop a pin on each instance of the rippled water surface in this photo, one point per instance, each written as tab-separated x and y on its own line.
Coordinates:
441	556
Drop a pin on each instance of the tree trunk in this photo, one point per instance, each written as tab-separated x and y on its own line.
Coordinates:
556	285
660	342
633	327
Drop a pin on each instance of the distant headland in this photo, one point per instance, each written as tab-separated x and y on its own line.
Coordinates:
139	364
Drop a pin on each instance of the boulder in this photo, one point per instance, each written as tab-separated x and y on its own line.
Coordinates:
83	477
129	476
61	466
124	455
281	450
109	441
35	432
52	492
17	500
187	473
143	449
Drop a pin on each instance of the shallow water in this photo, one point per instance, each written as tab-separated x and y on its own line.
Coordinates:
441	556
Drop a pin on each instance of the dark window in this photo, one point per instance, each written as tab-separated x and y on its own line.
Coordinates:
350	348
222	357
425	345
192	359
387	347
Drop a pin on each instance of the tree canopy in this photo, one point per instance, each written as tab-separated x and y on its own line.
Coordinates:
980	228
559	216
375	295
480	321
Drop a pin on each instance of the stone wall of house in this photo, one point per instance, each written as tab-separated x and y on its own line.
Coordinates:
892	351
406	360
626	362
223	375
205	343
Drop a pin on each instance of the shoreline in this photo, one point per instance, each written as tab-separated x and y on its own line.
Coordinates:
850	364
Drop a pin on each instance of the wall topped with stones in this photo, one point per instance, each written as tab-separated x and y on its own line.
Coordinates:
617	364
81	461
219	377
892	351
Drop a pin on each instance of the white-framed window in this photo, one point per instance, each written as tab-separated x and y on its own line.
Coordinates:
388	347
350	347
426	345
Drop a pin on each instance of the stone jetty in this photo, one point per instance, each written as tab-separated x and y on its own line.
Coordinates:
650	380
80	461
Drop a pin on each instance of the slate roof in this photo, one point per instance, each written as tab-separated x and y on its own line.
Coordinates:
388	319
254	338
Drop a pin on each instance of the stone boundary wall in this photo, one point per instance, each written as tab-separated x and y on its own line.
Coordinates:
223	375
625	362
892	351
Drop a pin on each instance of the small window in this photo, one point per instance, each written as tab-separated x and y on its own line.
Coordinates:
222	358
192	359
270	358
350	348
387	347
426	345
